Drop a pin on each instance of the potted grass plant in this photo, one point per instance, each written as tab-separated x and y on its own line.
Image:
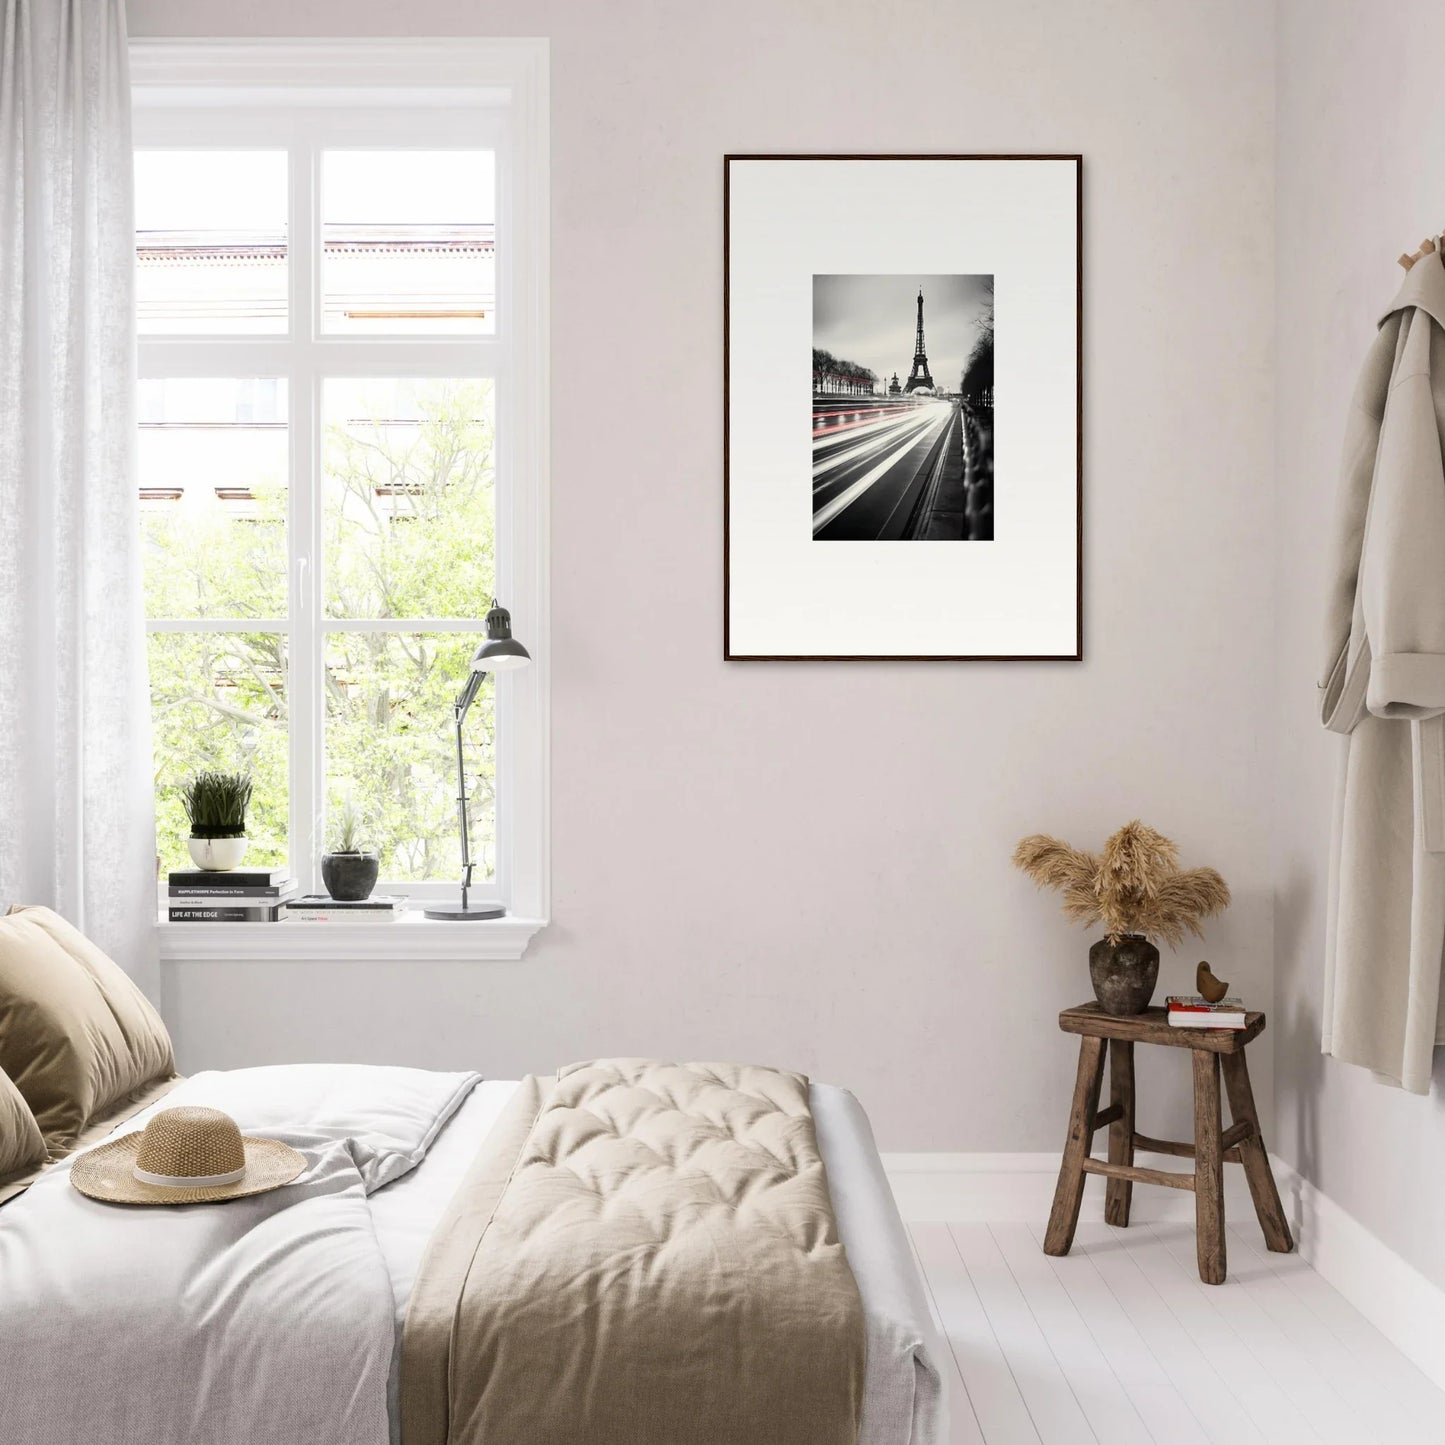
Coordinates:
350	869
1137	891
216	805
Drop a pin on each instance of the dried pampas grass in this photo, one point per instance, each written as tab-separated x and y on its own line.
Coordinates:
1134	886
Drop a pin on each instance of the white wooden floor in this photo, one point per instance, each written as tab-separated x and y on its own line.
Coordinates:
1120	1343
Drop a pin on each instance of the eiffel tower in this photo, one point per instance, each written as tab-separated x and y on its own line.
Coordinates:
920	376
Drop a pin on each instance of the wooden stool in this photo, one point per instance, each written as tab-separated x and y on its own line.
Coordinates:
1212	1147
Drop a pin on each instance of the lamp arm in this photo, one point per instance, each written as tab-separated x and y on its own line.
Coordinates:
460	707
468	694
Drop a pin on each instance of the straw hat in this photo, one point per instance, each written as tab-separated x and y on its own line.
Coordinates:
186	1155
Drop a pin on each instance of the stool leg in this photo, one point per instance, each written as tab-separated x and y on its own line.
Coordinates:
1254	1157
1069	1194
1119	1193
1208	1169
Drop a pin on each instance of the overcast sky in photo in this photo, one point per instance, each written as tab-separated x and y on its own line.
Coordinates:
871	320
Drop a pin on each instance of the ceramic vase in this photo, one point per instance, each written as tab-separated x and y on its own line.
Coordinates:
1124	972
350	877
217	855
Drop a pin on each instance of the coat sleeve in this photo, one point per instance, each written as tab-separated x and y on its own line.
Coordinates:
1345	671
1402	571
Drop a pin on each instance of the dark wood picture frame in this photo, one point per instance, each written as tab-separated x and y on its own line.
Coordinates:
1078	654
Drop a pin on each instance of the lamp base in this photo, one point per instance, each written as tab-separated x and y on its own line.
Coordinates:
456	913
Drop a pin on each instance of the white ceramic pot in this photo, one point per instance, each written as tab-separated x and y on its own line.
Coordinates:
216	855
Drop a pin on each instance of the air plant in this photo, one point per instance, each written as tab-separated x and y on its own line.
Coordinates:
349	826
1134	886
216	804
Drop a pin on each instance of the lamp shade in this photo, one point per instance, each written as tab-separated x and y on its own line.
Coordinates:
501	652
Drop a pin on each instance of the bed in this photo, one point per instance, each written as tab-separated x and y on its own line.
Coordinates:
627	1252
324	1108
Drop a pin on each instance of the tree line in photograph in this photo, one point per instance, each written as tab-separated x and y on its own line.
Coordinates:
976	388
841	378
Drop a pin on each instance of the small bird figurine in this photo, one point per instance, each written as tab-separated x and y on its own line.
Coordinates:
1209	987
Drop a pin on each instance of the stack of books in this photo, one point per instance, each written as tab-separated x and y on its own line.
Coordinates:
249	895
1194	1011
318	908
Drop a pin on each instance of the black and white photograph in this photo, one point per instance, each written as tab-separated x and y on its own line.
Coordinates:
938	300
902	408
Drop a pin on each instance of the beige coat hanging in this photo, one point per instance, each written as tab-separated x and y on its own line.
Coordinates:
1384	686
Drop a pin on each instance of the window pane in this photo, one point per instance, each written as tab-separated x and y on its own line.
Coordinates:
210	242
218	700
409	498
213	464
408	242
391	750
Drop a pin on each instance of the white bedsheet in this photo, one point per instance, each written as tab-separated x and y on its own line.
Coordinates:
266	1320
903	1399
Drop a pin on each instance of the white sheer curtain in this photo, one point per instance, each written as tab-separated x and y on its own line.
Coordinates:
77	826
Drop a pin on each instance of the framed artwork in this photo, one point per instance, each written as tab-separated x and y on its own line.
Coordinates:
902	408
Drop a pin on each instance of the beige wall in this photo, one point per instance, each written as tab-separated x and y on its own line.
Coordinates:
807	864
1361	178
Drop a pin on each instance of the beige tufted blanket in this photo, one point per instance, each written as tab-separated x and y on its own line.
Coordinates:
643	1254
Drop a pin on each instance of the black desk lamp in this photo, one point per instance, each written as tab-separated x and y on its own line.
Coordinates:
501	652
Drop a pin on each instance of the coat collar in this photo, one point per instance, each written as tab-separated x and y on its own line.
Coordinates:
1422	288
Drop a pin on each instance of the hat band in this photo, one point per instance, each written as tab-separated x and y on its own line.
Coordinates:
189	1181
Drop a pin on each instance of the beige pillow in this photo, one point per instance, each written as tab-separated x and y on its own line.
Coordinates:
21	1147
76	1035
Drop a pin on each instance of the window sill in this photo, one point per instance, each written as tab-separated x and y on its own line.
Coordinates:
410	938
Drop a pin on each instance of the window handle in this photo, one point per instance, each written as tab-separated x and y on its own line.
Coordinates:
302	580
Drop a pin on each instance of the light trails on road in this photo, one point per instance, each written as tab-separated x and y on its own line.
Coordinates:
859	442
837	421
865	485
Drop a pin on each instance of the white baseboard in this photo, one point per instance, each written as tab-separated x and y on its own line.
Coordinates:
1406	1307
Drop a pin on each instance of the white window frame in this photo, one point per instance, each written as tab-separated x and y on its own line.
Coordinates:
309	96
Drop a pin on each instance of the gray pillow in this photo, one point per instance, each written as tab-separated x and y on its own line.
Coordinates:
76	1035
22	1149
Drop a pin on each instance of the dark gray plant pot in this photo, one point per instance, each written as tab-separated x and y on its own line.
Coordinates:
350	877
1124	973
